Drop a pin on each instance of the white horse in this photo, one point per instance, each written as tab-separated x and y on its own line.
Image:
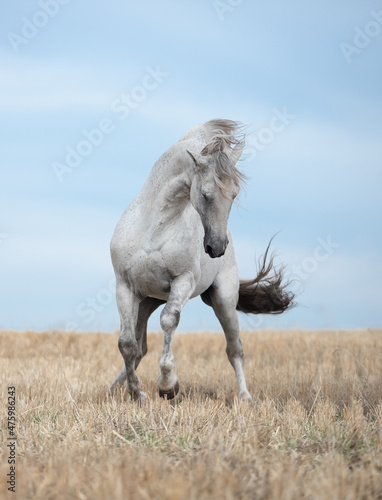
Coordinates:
172	243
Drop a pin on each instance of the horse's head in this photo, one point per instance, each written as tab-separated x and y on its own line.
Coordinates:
215	184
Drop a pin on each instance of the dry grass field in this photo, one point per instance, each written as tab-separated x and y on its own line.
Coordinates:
312	432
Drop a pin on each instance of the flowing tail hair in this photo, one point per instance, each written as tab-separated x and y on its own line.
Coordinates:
265	294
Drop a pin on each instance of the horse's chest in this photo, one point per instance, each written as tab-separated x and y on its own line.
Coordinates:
162	253
152	272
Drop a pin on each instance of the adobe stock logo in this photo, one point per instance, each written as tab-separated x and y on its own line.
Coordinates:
280	120
88	309
31	27
92	139
221	8
322	252
298	275
362	37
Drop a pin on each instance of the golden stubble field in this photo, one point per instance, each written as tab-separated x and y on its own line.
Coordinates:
313	430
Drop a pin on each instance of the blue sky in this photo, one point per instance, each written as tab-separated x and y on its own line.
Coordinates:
305	77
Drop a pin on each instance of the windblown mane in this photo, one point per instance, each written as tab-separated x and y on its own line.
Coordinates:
225	139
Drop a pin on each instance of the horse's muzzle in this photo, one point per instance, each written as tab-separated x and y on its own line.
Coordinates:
215	248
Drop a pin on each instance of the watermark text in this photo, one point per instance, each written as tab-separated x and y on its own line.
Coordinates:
362	36
92	139
11	439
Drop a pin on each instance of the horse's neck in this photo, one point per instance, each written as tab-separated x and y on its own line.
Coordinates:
167	189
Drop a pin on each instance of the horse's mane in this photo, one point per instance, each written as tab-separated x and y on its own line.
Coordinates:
225	139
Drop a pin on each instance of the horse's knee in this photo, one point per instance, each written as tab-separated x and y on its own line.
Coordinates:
169	318
128	348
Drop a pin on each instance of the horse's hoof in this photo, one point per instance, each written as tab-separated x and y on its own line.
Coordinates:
139	397
116	389
245	396
142	398
169	393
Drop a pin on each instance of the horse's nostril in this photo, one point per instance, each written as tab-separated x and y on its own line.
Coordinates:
210	251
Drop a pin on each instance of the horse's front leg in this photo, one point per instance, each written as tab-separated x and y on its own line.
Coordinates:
128	306
181	290
146	308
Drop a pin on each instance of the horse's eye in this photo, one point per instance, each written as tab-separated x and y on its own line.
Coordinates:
205	196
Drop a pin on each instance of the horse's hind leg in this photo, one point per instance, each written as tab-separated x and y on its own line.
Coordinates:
128	306
146	308
224	300
181	290
119	381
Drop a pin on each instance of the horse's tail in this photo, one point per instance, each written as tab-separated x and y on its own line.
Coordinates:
265	294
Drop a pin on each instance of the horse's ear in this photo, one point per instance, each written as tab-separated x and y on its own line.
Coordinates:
199	160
